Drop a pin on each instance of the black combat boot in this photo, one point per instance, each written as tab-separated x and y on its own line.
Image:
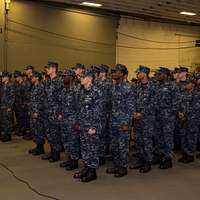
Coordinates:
65	163
166	163
48	155
121	172
157	159
182	158
198	155
1	136
39	150
72	165
102	161
112	170
137	164
82	173
145	168
186	159
6	138
89	176
28	136
55	156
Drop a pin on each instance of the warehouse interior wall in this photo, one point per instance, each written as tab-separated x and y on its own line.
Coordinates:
156	44
38	33
1	34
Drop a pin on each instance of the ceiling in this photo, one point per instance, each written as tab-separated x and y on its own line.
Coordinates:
152	9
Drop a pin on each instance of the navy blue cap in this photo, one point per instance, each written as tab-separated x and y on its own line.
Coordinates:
29	67
79	66
176	69
163	70
103	68
197	75
122	68
68	72
6	74
59	73
52	64
17	73
95	68
113	70
143	69
88	72
36	74
183	69
190	79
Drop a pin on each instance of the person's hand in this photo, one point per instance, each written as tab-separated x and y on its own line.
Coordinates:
137	115
124	128
92	131
181	115
35	115
76	127
60	117
9	110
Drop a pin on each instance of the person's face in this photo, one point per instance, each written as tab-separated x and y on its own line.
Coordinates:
175	76
67	79
86	80
24	78
160	76
33	79
18	78
102	74
28	72
182	75
51	70
5	79
78	71
189	86
141	75
112	75
118	75
198	82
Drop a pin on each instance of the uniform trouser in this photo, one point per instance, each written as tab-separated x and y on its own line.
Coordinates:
22	117
177	136
144	129
6	121
120	147
70	140
37	130
52	129
189	134
90	147
198	137
104	137
164	135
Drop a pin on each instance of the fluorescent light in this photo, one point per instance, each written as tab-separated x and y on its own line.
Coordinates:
187	13
91	4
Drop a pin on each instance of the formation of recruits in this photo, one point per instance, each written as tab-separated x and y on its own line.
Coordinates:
86	111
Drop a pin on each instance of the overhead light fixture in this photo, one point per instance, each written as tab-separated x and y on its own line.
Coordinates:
7	4
91	4
188	13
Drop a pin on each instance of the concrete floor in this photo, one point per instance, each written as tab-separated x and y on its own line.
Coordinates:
180	183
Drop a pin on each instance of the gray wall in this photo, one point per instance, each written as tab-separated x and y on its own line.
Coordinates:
38	33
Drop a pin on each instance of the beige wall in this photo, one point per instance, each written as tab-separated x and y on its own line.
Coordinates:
30	45
1	33
133	57
38	33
